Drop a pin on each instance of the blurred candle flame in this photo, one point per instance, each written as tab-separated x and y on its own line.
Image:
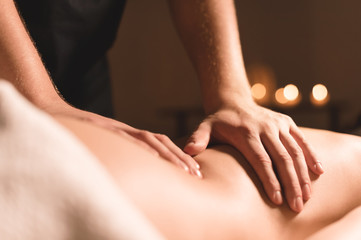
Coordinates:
280	96
291	92
319	95
258	91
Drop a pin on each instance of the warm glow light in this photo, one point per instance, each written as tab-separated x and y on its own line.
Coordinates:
258	91
280	96
319	92
290	92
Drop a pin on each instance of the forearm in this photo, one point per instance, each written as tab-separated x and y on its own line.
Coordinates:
209	31
20	62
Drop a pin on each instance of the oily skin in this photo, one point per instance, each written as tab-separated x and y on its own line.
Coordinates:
229	201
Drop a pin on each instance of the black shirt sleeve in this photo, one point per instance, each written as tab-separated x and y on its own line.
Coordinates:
72	37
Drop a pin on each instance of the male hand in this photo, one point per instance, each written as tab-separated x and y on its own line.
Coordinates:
267	139
157	144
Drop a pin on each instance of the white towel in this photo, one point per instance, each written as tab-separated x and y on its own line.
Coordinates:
52	187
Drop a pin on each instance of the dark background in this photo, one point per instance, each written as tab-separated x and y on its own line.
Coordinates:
299	42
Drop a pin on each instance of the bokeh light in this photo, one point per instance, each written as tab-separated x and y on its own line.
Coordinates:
258	91
319	92
280	96
290	92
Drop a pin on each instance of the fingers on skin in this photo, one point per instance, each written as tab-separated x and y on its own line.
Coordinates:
177	152
163	151
257	156
311	159
199	140
138	142
299	162
122	130
156	144
286	170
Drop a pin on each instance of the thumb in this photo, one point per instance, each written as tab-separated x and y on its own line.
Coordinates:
199	140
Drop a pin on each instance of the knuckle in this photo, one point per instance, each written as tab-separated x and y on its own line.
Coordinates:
269	180
265	161
285	118
304	177
297	152
268	127
163	137
145	134
273	183
262	161
288	119
246	131
285	157
305	180
168	155
141	133
297	192
304	142
186	156
182	155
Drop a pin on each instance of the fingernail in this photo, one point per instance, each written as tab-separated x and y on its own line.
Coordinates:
199	174
197	166
186	168
306	191
298	204
277	196
319	168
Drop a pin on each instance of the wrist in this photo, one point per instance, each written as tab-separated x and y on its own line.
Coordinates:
228	99
225	88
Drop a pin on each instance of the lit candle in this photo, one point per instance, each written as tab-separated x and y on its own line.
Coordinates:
319	95
280	96
288	96
291	92
258	91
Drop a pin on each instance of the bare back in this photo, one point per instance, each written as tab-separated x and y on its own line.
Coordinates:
229	203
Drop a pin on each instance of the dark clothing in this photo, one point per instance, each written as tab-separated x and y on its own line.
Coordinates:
72	37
